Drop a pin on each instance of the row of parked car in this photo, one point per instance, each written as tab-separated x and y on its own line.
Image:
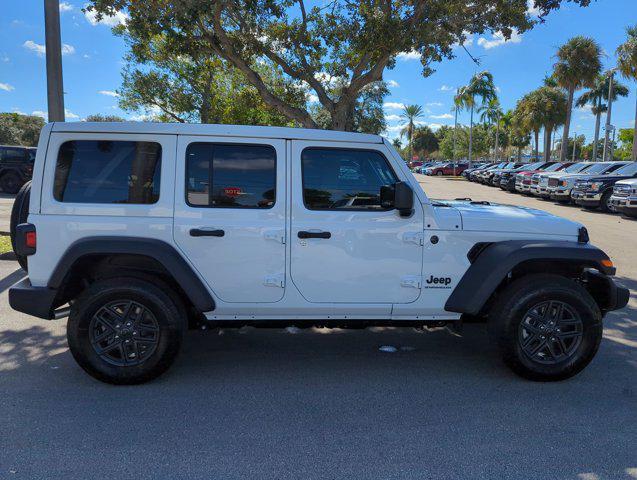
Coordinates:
442	168
605	186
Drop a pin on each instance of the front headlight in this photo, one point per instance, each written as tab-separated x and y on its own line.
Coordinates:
595	186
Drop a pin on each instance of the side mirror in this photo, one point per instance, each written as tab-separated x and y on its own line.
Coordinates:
399	196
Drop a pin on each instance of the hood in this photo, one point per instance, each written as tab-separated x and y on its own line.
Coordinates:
493	217
608	178
632	181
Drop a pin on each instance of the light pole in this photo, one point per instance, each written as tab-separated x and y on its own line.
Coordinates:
54	85
607	146
574	145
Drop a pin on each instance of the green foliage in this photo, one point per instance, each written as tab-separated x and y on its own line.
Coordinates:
410	113
424	141
482	141
578	63
627	64
624	151
168	85
351	41
18	129
98	117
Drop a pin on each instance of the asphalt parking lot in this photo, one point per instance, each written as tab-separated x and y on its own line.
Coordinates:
319	404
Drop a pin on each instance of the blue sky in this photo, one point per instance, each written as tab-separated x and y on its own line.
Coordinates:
93	62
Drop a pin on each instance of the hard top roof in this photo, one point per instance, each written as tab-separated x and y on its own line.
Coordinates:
215	130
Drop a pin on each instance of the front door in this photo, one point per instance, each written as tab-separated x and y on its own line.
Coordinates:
230	214
345	248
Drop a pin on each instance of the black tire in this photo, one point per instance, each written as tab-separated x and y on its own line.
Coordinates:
118	363
11	183
516	304
19	214
604	202
439	173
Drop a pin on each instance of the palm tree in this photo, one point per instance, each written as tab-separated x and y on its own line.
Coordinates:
519	134
627	65
553	103
578	65
490	114
410	113
481	86
530	110
595	97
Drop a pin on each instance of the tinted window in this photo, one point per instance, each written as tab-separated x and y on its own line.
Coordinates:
238	176
630	169
13	154
105	171
337	179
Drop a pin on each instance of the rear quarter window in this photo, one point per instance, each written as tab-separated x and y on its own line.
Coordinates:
108	171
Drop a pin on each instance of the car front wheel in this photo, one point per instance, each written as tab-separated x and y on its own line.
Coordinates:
547	327
125	331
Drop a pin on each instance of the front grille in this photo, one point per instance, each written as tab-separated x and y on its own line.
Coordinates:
553	182
622	191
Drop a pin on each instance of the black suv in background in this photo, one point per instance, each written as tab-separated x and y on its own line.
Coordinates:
594	192
16	167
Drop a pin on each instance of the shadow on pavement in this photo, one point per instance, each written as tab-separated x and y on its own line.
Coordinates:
12	278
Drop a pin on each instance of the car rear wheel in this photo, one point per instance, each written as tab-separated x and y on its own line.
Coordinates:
547	327
125	331
439	173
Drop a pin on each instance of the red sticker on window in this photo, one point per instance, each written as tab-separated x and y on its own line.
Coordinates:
232	191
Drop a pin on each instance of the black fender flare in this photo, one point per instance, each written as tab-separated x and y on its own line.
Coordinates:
496	260
158	250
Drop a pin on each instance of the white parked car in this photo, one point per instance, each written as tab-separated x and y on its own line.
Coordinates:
136	231
624	197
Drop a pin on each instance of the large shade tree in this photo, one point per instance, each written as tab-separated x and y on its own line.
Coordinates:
595	97
627	64
352	41
578	65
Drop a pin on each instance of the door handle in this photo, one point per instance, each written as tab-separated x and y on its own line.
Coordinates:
304	234
204	232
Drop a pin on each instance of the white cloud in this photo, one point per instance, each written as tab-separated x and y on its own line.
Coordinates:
434	104
446	88
4	58
392	83
311	98
531	9
6	87
119	18
443	116
40	50
40	113
69	114
497	39
108	93
65	7
413	55
392	117
394	105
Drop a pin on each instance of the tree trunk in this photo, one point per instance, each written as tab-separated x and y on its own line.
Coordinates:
547	143
598	121
567	124
634	156
519	154
497	138
471	137
537	145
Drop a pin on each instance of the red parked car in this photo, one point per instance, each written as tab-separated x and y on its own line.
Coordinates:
448	169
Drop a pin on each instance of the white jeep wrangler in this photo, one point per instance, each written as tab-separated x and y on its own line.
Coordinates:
136	231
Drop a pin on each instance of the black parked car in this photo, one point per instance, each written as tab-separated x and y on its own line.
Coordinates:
16	167
595	192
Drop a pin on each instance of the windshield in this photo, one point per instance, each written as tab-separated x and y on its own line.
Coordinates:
598	168
577	167
531	166
553	168
627	170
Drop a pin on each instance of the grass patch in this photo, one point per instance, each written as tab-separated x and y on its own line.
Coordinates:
5	244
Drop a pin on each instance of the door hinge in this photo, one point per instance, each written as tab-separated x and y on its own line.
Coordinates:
414	237
274	280
276	235
411	281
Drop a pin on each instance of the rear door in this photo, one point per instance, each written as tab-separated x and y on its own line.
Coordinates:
230	214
